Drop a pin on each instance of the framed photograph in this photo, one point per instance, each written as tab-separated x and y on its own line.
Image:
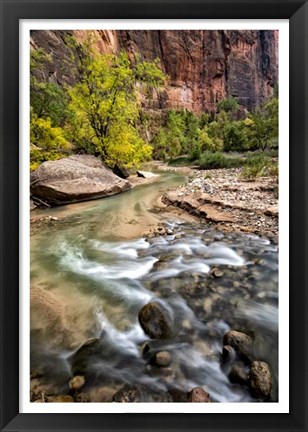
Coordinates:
153	241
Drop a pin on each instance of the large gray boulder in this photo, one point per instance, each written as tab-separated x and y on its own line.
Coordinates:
75	178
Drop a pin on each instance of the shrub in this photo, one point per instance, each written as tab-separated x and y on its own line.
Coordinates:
259	165
217	160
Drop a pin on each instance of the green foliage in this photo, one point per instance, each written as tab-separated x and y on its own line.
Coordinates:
236	137
228	105
264	127
47	142
105	104
171	140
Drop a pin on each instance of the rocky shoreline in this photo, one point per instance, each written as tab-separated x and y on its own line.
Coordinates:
223	199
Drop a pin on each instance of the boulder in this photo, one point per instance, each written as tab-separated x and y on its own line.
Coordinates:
146	174
75	178
241	343
197	394
260	380
156	320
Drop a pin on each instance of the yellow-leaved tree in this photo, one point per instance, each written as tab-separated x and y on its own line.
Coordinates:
106	102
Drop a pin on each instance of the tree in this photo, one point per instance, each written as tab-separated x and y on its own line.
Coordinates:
47	142
106	104
264	127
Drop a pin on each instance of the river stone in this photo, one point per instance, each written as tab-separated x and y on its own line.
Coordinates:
260	380
156	321
241	342
163	358
81	358
77	382
197	394
216	272
75	178
177	395
126	394
228	354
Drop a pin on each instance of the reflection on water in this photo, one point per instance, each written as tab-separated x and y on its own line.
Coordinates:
90	279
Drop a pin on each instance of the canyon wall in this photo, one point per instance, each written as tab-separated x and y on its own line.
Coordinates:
203	66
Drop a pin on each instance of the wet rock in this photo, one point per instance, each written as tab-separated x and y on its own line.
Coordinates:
77	382
177	395
238	375
216	272
80	359
241	343
197	394
260	380
228	354
126	394
83	397
163	358
102	394
156	321
62	398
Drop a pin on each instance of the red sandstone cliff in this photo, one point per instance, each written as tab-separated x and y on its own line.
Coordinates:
204	66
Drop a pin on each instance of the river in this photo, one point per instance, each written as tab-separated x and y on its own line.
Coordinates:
92	272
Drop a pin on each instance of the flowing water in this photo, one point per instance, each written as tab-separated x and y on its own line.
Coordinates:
92	272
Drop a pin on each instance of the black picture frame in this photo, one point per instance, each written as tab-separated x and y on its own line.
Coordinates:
11	12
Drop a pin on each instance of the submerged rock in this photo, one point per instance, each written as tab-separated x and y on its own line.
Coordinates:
81	358
228	354
75	178
216	272
163	358
241	343
260	380
156	321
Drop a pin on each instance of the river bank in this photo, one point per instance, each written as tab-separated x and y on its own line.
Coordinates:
220	197
225	201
